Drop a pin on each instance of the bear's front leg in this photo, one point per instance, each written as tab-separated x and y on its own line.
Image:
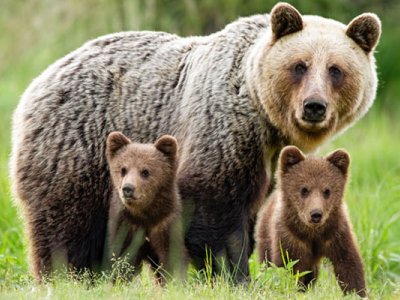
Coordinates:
307	281
305	262
237	250
222	196
208	244
348	266
158	239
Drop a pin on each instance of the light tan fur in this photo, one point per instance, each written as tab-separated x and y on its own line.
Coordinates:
320	44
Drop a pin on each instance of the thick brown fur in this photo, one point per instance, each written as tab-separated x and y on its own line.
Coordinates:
232	100
306	217
150	215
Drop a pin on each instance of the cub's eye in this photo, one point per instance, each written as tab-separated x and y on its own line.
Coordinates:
304	192
145	173
326	193
300	69
336	75
123	171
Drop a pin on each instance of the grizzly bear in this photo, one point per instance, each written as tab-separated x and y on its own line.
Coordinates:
306	217
145	202
232	100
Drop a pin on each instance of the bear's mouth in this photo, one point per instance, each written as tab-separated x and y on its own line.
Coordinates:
313	224
314	129
129	200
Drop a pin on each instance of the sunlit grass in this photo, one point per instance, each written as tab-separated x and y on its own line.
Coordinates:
270	283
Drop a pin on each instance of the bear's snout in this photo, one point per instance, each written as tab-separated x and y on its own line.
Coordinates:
316	216
128	191
314	109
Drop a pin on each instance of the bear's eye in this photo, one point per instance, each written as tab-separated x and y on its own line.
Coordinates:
336	75
145	173
304	192
326	193
123	171
300	69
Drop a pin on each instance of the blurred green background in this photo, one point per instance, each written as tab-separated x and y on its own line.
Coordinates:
34	33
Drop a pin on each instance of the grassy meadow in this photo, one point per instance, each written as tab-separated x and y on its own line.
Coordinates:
373	195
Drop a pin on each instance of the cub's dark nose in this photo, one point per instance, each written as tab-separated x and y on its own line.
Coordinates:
314	110
316	215
128	190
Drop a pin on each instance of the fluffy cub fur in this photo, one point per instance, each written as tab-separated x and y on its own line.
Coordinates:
144	210
306	217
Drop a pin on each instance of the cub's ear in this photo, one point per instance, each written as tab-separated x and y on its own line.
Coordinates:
290	156
285	19
340	159
115	141
168	145
365	30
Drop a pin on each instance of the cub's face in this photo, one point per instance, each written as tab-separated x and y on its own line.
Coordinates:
140	171
313	186
317	75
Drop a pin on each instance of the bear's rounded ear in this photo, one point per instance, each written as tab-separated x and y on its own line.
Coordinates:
115	141
167	144
340	159
365	30
290	156
285	19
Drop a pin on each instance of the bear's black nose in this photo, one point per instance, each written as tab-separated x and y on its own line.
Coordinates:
316	215
128	190
314	110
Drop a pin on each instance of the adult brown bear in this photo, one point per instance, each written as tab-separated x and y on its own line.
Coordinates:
232	99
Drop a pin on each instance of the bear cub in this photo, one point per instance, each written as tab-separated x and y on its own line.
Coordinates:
144	219
306	217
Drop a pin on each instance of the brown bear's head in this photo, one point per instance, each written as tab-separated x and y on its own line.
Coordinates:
140	172
315	76
312	186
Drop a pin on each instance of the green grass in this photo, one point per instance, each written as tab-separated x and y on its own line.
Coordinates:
271	283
